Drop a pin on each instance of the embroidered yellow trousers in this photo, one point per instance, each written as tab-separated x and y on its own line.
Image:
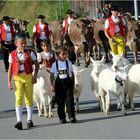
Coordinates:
23	89
117	44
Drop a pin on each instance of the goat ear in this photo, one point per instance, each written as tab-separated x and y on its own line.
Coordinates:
92	60
102	60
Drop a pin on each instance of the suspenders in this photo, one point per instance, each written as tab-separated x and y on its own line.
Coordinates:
58	71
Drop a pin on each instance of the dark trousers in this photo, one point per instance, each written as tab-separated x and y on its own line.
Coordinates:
64	95
38	45
7	48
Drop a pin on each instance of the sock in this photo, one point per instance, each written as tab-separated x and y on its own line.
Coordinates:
29	113
18	113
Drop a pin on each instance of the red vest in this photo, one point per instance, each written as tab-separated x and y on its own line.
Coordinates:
65	29
3	32
16	64
112	25
38	30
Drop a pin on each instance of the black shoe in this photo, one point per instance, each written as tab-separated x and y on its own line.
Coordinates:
30	124
18	125
63	121
73	120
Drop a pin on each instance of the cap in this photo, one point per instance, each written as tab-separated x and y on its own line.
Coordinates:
41	16
69	11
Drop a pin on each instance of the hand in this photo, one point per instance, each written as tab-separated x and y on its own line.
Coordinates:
125	40
112	40
10	86
52	88
34	79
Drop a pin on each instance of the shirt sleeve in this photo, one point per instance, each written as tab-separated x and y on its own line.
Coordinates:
107	24
39	58
33	56
124	21
63	23
34	29
53	68
10	59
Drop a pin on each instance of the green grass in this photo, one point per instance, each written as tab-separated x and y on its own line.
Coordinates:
29	10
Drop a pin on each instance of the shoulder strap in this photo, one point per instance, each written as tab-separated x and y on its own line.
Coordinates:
57	68
67	68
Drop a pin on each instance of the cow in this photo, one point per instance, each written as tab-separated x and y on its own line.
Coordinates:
57	30
101	39
132	34
78	31
133	37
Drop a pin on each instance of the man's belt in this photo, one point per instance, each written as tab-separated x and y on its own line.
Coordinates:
21	71
117	33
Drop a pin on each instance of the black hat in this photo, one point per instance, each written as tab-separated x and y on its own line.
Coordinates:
6	18
41	16
114	8
69	11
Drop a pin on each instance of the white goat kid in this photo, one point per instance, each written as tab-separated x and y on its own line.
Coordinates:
133	83
42	91
98	66
112	83
78	86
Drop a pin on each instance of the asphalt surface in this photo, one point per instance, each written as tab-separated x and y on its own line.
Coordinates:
92	124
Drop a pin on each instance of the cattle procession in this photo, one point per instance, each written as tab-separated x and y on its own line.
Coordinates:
45	70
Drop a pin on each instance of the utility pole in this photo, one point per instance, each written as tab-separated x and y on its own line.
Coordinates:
136	9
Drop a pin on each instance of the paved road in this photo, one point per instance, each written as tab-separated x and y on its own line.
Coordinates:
91	123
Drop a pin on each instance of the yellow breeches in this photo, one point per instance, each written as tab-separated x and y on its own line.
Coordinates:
23	89
117	44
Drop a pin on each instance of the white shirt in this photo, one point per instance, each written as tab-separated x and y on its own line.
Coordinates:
61	66
8	32
115	19
47	55
70	19
20	56
42	34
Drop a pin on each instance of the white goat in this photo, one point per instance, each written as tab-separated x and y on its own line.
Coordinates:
112	83
98	66
78	86
133	82
42	90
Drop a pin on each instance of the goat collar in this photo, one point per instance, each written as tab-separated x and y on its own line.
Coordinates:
119	81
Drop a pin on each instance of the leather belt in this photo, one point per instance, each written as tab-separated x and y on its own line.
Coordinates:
21	71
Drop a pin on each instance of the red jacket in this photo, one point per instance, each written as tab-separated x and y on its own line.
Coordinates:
112	25
16	63
65	29
3	32
38	30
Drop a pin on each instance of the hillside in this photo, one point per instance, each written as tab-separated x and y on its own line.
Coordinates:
29	10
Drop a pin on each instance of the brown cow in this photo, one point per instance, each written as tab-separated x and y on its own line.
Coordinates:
132	36
78	31
101	39
57	30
